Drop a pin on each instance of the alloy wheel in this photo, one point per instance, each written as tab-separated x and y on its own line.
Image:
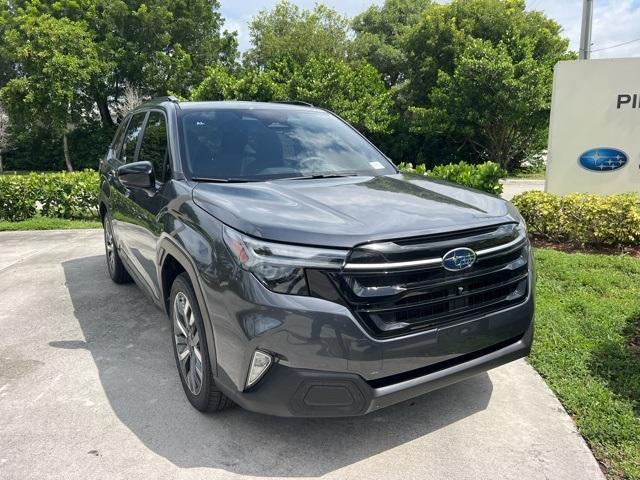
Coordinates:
187	340
109	245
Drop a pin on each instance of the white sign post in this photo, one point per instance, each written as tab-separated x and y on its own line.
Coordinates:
594	132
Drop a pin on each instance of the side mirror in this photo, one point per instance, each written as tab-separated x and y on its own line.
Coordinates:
137	174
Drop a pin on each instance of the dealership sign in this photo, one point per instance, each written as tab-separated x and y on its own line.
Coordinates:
628	100
594	133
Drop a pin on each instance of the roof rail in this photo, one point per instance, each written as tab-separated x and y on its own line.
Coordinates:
156	101
166	98
294	102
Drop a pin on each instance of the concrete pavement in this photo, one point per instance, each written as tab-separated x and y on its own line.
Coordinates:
89	390
515	186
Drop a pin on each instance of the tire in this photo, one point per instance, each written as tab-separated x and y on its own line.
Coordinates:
116	268
190	349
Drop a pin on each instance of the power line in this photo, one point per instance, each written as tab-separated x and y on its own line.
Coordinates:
615	46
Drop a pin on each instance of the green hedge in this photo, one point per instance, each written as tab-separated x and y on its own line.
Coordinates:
485	176
611	220
39	150
57	195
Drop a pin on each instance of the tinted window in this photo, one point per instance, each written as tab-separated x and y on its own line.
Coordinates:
117	139
131	138
264	144
154	144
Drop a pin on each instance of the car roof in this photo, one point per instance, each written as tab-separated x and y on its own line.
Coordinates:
233	104
228	104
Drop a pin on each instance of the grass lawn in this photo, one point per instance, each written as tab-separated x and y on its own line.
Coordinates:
587	347
42	223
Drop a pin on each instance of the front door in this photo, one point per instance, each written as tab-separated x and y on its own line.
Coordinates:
119	194
147	206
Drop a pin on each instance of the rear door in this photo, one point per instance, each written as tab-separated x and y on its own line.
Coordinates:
145	207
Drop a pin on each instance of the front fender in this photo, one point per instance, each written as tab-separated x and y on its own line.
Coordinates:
177	246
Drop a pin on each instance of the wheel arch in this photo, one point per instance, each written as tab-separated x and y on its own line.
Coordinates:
174	261
102	210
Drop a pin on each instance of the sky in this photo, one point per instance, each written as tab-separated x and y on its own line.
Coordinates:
614	21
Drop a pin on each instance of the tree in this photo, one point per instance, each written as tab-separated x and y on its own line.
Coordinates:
379	32
353	90
479	78
6	64
156	46
4	133
295	34
129	100
57	61
495	105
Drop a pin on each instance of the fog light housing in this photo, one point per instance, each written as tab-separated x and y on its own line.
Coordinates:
260	363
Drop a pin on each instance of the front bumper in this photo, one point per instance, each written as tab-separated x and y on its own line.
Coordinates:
327	365
292	392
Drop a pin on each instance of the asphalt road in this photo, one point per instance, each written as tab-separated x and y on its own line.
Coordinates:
89	390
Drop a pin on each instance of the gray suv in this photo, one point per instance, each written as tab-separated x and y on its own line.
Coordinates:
302	273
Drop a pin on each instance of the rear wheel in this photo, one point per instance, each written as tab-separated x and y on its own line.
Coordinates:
117	271
190	349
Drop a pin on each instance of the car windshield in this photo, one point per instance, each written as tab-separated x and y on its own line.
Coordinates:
266	144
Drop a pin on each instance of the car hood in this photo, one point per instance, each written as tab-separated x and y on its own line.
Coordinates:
344	212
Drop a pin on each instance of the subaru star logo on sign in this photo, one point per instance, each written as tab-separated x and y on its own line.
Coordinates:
458	259
603	159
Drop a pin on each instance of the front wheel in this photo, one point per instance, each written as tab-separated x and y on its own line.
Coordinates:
117	270
190	349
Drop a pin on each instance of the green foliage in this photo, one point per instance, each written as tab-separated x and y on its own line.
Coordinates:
6	63
479	77
88	144
57	195
33	148
581	219
37	149
485	177
354	91
286	31
587	314
156	46
428	82
57	60
379	31
63	60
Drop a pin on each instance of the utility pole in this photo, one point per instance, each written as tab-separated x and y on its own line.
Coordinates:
585	34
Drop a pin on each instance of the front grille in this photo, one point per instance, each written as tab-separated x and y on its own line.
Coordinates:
396	301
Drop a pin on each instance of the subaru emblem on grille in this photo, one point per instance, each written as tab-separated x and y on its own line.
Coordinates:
458	259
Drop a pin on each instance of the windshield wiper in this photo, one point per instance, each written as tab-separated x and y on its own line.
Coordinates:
222	180
321	175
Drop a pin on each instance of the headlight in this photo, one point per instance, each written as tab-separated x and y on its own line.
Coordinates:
280	267
513	211
522	228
